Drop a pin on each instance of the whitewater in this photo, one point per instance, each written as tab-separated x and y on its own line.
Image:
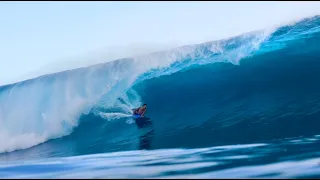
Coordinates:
245	106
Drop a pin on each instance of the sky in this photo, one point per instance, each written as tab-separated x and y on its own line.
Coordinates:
43	37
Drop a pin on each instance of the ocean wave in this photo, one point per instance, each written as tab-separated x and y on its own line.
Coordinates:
54	105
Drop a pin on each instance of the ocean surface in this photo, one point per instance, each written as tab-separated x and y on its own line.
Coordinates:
243	107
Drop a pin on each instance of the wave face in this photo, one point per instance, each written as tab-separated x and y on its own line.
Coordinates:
253	88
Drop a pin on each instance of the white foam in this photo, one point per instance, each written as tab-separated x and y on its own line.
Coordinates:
110	116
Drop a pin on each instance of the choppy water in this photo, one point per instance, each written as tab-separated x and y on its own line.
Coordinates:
289	158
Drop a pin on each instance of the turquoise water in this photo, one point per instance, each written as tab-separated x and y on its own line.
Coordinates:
247	106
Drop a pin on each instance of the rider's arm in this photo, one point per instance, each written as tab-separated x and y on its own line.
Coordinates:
143	113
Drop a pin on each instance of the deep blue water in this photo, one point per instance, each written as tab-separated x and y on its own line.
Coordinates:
247	106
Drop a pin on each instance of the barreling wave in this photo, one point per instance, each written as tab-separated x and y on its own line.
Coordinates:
240	89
